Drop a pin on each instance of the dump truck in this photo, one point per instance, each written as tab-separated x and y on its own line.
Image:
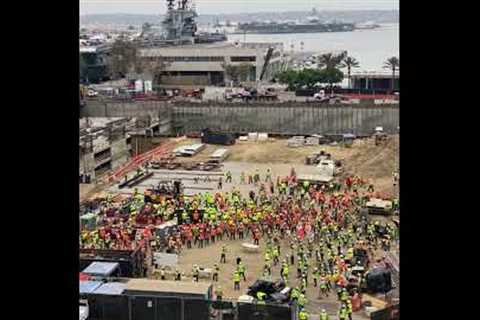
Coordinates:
377	207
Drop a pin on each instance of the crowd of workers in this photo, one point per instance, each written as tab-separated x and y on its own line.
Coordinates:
321	226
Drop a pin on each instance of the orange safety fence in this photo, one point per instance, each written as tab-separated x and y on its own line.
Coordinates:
140	159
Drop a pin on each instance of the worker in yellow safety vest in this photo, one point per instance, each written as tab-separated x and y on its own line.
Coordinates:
342	313
349	309
324	315
219	293
303	315
302	301
344	296
236	280
261	297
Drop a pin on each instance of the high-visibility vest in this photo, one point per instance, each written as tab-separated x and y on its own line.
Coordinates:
261	295
236	277
323	316
342	314
303	315
302	300
241	268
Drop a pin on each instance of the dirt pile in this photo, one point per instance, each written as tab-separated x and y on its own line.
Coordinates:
376	163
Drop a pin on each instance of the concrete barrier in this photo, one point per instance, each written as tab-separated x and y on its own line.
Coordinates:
288	118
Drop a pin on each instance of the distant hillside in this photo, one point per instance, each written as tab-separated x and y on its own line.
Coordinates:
378	16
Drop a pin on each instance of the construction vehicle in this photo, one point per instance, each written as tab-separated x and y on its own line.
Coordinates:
377	207
327	168
315	158
268	56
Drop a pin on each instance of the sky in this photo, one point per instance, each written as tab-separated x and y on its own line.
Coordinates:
233	6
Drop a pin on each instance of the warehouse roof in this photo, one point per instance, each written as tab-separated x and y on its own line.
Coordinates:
167	286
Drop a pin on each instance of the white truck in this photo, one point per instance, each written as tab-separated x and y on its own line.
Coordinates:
326	170
326	167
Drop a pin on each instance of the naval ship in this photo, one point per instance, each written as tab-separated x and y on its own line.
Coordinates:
312	25
179	27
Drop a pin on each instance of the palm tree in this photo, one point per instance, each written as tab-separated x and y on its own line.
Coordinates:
330	60
330	63
392	63
349	63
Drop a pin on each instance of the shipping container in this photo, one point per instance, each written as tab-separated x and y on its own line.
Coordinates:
130	261
163	288
102	269
212	137
220	155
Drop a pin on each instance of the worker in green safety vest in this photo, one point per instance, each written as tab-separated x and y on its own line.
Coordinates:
303	315
349	309
344	296
284	271
219	293
275	255
324	315
302	301
261	297
295	294
236	281
342	313
241	270
316	276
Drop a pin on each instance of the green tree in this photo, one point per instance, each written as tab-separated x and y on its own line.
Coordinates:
302	78
392	63
123	58
330	60
349	63
288	77
329	65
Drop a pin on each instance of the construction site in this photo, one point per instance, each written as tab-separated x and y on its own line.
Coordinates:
210	197
179	174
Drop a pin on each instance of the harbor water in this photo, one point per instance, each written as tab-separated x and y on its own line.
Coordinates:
370	47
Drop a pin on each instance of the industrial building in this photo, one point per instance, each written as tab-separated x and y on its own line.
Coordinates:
104	145
375	81
204	64
93	62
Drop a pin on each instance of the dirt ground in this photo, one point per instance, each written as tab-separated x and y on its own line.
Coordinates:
253	262
363	158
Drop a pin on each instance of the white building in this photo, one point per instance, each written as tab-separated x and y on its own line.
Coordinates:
204	64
